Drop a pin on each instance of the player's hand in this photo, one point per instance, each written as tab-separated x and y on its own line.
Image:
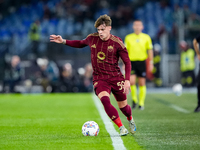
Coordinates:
126	87
151	66
56	38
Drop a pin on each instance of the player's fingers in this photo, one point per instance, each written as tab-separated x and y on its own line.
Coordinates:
53	36
52	40
126	90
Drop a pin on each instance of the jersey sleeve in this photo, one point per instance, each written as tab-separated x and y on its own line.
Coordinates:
78	43
198	39
149	45
123	53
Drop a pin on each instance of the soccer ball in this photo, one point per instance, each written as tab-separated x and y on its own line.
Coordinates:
177	89
90	128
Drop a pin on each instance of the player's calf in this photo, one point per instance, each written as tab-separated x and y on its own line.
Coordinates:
111	111
128	113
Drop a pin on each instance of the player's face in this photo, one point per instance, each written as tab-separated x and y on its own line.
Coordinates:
137	27
104	32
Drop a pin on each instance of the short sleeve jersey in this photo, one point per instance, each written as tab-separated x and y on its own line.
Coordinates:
137	46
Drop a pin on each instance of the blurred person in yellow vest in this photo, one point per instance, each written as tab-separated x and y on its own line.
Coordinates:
156	61
34	36
187	64
140	48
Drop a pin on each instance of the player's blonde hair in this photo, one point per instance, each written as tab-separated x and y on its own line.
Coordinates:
104	19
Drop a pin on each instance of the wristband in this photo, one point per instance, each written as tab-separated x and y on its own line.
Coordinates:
64	42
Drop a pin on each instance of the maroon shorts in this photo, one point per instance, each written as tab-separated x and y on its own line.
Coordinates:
114	85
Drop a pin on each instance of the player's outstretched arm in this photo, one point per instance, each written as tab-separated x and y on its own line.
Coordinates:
72	43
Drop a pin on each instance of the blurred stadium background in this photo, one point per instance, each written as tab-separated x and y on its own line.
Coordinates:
25	26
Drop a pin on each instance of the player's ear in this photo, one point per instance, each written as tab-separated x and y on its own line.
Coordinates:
142	27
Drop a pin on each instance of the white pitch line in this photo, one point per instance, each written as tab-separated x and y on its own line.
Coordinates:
179	108
115	137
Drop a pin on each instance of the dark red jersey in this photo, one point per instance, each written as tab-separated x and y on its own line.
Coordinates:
105	56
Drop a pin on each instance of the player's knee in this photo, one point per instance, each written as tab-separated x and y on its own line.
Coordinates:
132	83
122	104
105	100
102	94
125	108
141	83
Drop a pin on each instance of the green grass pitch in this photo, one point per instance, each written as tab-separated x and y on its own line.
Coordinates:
54	121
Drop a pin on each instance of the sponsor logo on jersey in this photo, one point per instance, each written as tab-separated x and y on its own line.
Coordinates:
101	55
99	61
93	46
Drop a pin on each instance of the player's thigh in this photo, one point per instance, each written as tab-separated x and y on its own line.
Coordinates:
102	88
133	79
117	88
141	81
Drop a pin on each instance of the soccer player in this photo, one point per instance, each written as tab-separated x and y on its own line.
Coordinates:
107	77
138	45
196	42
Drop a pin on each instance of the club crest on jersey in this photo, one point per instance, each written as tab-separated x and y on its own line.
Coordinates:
93	46
101	55
110	48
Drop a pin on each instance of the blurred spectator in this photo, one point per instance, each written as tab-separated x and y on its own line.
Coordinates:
13	74
69	79
86	78
187	64
194	20
33	72
49	75
34	35
156	61
178	15
187	12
